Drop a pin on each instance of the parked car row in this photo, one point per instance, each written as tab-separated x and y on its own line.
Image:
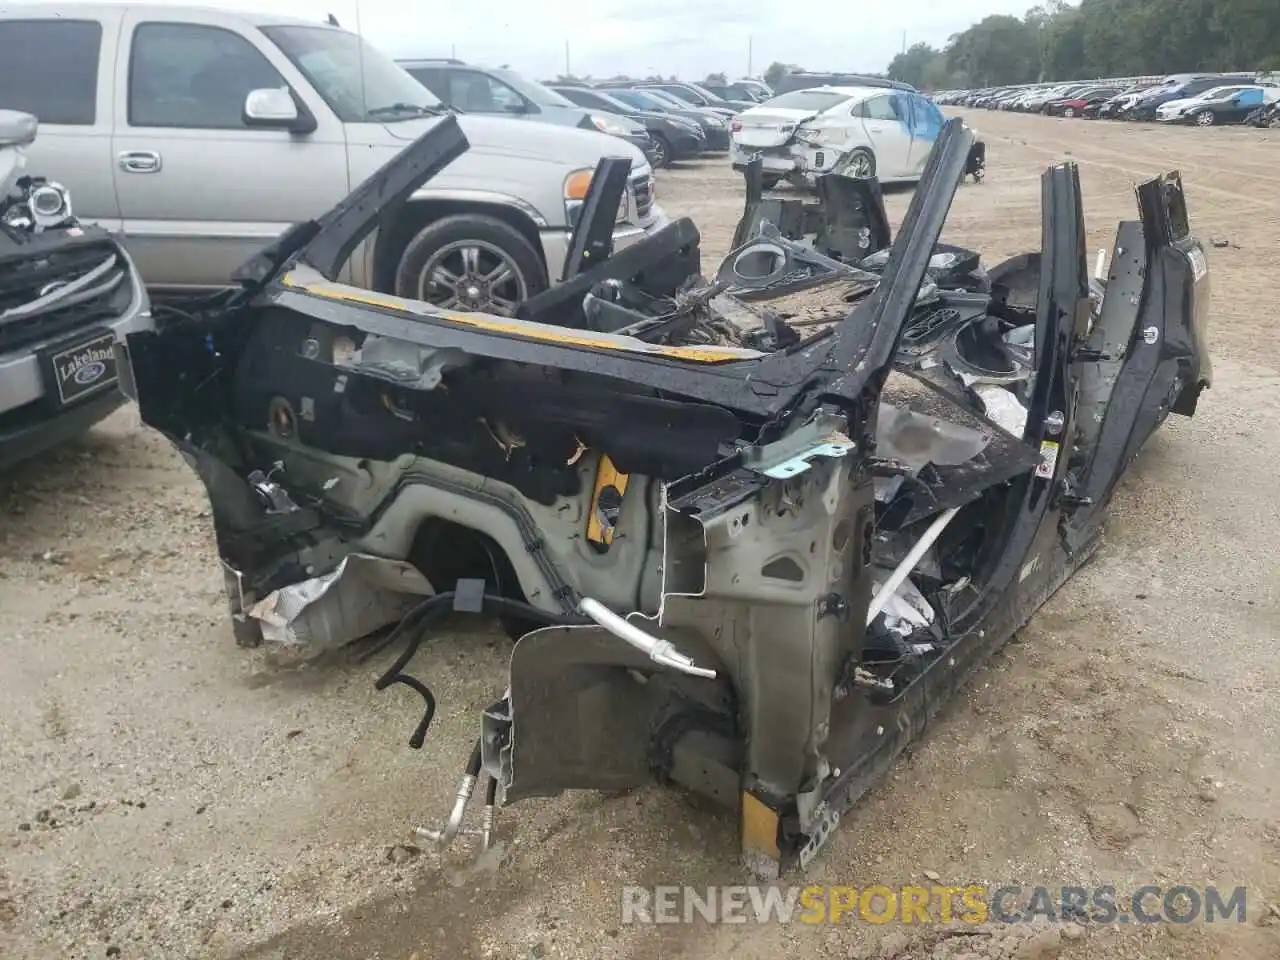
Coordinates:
194	137
1203	99
693	102
669	121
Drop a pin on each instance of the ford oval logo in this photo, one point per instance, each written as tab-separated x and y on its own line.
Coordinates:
90	372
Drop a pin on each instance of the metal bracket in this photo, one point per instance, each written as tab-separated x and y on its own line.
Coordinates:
823	436
827	823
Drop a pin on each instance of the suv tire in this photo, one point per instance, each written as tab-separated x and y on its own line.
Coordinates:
660	155
479	264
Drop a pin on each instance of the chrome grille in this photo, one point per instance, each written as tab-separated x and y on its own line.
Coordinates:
642	190
54	293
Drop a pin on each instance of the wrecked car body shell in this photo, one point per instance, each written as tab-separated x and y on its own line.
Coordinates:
753	571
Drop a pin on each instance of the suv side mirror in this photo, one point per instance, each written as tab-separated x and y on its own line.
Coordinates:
17	129
274	108
518	108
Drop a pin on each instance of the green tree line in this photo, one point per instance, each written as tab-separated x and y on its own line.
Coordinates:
1100	38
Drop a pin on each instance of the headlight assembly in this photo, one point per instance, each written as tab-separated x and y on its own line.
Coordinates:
50	204
576	186
607	125
45	205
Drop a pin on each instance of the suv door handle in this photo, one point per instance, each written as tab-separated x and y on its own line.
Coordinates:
139	161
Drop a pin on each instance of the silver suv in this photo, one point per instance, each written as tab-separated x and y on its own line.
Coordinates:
204	133
68	294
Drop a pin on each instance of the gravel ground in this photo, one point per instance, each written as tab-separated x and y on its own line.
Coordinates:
166	794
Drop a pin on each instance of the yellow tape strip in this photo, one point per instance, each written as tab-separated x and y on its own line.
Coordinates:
520	328
607	475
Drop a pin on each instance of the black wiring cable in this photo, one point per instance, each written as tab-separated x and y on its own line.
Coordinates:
414	624
491	791
407	623
192	310
473	762
162	310
417	619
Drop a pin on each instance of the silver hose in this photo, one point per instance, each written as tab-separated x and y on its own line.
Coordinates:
486	826
443	838
659	650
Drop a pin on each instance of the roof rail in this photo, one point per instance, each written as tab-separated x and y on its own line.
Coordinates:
837	78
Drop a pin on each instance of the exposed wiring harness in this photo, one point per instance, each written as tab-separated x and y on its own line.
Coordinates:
468	596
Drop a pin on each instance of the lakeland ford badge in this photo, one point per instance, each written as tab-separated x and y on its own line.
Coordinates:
82	369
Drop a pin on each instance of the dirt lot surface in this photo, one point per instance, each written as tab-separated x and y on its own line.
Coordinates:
165	794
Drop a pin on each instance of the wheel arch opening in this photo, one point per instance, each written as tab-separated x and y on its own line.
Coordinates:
419	213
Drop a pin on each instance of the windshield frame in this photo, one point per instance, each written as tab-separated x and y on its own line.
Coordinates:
1218	93
675	102
533	91
392	84
713	99
761	89
836	99
658	106
620	106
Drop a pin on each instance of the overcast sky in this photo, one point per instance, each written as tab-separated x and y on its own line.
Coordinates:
687	37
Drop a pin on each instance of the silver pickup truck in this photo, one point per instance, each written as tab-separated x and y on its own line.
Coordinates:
204	133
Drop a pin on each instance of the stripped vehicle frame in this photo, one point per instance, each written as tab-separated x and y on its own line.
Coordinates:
720	621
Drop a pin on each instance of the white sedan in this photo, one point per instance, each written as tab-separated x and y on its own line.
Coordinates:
863	131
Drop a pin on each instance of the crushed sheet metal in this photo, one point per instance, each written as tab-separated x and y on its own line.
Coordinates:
362	594
1003	408
906	610
1199	264
916	439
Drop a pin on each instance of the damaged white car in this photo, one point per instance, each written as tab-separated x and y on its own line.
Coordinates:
854	131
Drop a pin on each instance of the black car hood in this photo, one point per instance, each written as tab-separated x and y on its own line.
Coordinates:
1163	93
698	112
